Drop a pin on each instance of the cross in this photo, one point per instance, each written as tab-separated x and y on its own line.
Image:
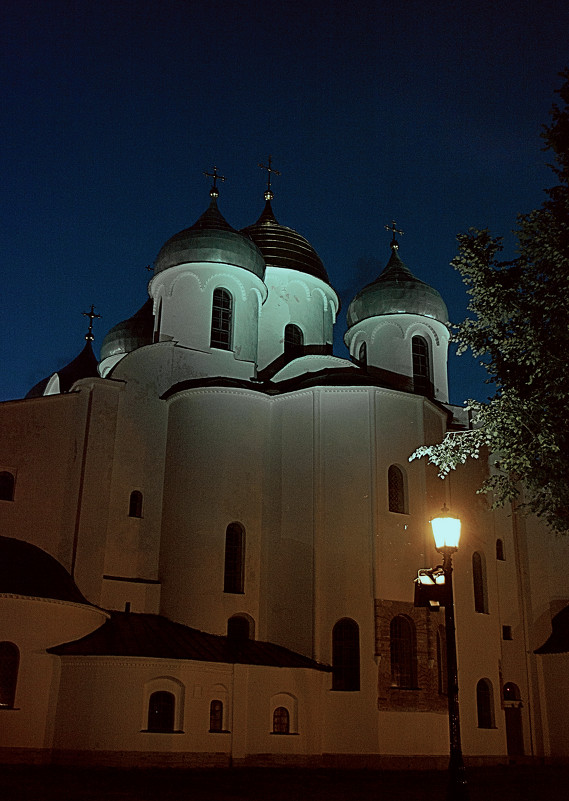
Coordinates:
214	191
268	194
394	230
92	316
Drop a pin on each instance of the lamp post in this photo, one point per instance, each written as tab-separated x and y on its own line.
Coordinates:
446	531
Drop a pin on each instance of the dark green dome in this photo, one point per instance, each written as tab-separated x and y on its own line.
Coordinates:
284	247
397	291
211	239
130	334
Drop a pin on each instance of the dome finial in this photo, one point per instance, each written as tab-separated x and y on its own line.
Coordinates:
269	194
92	316
394	230
214	191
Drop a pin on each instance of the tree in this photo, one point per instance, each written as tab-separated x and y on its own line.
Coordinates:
519	327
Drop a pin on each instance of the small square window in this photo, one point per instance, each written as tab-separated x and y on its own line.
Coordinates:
507	633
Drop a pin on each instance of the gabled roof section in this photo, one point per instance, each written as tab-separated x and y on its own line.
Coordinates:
154	636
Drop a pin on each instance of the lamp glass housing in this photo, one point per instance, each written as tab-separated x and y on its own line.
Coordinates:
446	531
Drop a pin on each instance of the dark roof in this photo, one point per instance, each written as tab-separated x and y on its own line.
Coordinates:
396	290
210	239
284	247
27	570
128	335
154	636
558	640
83	366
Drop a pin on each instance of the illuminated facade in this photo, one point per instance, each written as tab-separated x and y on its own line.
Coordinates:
210	535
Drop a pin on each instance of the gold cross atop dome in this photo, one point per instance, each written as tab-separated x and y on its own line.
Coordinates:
269	194
394	230
92	316
214	191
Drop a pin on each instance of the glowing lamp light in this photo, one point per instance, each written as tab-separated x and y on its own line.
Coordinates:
446	531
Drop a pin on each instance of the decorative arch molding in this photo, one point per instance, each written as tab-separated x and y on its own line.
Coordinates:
218	279
184	274
302	284
325	300
290	703
167	684
418	329
385	324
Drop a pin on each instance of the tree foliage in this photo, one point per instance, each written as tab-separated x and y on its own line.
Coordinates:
518	326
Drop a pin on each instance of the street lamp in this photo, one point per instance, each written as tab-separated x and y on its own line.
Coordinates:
446	531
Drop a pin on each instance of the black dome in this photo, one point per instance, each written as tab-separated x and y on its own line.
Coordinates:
27	570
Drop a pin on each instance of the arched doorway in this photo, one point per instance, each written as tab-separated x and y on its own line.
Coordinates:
514	724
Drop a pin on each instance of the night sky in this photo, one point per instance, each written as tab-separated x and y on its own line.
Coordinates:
428	113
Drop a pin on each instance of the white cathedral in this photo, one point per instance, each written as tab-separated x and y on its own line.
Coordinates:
209	537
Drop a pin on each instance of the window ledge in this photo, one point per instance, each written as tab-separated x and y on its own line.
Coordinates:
285	733
10	708
160	731
219	731
405	689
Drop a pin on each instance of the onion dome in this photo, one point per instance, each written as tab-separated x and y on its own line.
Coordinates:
27	570
130	334
210	239
397	291
83	366
284	247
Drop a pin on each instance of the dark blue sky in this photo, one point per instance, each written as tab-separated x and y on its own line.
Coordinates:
425	112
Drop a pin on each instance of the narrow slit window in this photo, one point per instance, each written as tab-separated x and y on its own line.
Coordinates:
7	484
135	504
346	656
9	666
234	571
216	716
421	366
396	489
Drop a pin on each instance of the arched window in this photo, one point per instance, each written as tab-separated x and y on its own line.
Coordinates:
234	573
500	550
485	704
442	660
135	504
9	665
161	706
396	489
216	716
511	692
421	366
238	628
7	482
293	340
362	354
221	319
346	655
479	583
281	720
156	336
403	652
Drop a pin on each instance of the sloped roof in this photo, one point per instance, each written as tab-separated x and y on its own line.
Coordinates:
154	636
27	570
558	640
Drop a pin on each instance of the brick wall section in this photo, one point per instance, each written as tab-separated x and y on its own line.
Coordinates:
426	697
